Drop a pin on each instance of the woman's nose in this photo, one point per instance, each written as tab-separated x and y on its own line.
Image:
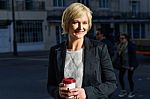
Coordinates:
80	26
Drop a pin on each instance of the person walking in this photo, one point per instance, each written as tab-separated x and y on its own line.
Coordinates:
81	58
127	62
101	36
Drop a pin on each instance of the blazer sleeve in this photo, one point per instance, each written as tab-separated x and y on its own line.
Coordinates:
108	85
108	75
52	86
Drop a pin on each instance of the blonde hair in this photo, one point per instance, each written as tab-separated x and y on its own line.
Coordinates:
75	10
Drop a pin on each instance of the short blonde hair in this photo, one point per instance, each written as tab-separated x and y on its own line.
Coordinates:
75	10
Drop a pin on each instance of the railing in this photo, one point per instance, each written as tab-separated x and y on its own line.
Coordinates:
135	15
121	14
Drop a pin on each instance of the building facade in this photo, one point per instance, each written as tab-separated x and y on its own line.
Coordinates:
117	16
38	22
30	21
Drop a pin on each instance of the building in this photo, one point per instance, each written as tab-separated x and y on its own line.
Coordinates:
38	22
30	25
117	16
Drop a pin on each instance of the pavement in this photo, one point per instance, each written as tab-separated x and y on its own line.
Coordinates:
25	76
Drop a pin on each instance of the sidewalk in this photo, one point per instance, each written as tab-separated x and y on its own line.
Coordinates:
25	54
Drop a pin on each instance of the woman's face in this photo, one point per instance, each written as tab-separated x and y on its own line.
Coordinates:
123	39
99	35
78	27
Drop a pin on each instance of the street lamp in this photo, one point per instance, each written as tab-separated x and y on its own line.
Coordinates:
15	53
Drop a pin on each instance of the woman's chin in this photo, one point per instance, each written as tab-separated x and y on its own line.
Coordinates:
79	36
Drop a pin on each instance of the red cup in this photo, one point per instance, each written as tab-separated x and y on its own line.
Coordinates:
69	80
70	83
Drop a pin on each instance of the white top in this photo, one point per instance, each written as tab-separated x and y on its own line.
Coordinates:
74	66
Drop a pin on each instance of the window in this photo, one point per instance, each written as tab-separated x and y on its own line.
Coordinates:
4	4
38	5
142	30
104	3
34	5
136	31
29	31
59	36
57	28
28	4
86	2
129	30
135	7
58	3
64	37
20	6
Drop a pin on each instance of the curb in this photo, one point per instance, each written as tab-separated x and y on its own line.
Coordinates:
25	54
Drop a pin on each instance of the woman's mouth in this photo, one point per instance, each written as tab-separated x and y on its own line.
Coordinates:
79	31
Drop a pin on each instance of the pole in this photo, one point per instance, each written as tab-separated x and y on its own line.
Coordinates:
15	53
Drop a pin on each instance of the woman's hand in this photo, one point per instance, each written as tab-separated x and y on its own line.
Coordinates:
78	93
63	91
75	93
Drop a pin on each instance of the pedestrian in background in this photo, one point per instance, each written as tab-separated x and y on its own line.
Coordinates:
101	36
127	62
81	58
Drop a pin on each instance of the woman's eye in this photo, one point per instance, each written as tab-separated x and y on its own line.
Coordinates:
84	22
74	22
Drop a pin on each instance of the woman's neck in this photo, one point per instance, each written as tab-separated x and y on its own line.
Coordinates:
75	45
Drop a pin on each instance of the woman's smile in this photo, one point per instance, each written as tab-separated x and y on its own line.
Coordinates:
79	27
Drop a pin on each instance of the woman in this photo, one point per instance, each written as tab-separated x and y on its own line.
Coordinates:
128	62
85	60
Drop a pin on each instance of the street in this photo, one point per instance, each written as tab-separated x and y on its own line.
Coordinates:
141	79
25	77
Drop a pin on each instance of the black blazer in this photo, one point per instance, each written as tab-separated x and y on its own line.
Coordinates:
99	79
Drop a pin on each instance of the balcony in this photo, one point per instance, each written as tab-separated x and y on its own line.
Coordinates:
140	15
122	15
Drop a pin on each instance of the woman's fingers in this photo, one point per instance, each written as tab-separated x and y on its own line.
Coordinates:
79	93
63	91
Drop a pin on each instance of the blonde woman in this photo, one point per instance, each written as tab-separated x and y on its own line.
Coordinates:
83	59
